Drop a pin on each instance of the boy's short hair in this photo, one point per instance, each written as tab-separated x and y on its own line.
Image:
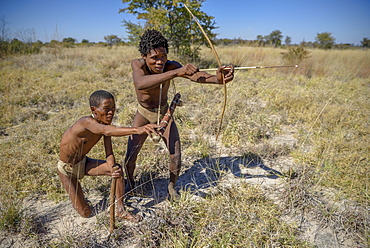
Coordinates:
152	39
99	95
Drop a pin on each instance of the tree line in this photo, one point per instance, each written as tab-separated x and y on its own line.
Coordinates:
323	40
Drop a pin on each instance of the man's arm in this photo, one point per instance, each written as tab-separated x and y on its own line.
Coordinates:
174	69
206	78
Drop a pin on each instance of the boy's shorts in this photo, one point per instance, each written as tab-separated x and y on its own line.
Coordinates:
77	170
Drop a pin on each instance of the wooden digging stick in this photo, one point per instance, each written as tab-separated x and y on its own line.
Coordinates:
112	213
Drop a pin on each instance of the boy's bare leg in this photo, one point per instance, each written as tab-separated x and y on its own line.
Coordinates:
172	139
75	193
100	167
121	210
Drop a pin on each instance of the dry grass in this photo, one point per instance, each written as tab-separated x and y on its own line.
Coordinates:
325	100
240	216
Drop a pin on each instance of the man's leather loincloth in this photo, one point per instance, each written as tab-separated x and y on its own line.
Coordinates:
152	114
77	170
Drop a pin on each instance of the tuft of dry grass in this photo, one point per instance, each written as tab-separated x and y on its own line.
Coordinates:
234	217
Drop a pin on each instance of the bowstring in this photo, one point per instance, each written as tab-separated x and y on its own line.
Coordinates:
159	104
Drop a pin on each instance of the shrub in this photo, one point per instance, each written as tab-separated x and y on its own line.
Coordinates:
18	47
295	55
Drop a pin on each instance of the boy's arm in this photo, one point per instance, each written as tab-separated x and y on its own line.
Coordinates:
111	161
111	130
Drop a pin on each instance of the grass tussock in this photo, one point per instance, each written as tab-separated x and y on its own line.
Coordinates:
325	101
11	212
236	217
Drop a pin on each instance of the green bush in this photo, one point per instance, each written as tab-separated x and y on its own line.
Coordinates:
18	47
295	55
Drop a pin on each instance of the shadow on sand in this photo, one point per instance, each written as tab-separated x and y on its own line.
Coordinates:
207	172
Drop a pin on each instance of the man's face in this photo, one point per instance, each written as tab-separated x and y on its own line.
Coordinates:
105	112
156	59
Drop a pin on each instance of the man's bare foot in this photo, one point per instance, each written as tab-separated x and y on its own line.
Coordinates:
125	215
172	193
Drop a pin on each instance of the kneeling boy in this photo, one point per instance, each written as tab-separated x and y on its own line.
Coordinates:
78	140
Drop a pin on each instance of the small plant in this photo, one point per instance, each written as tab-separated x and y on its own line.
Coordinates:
295	55
11	212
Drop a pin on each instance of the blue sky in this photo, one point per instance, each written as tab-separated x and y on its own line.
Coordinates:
347	20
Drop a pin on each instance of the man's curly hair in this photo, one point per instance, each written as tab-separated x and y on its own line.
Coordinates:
152	39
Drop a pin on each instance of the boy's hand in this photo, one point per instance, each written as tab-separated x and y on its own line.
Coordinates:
228	73
117	171
148	129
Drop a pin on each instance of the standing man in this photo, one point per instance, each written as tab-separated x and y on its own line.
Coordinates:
152	74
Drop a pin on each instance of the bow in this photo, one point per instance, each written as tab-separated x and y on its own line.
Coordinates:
219	64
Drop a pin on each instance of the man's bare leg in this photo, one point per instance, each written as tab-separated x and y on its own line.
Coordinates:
134	145
172	140
75	193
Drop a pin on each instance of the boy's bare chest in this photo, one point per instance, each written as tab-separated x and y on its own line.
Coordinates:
88	139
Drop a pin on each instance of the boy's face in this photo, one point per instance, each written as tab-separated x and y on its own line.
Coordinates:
156	59
105	112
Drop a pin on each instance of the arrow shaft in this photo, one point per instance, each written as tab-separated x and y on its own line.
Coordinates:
252	67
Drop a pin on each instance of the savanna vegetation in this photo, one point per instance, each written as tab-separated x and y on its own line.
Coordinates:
325	101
